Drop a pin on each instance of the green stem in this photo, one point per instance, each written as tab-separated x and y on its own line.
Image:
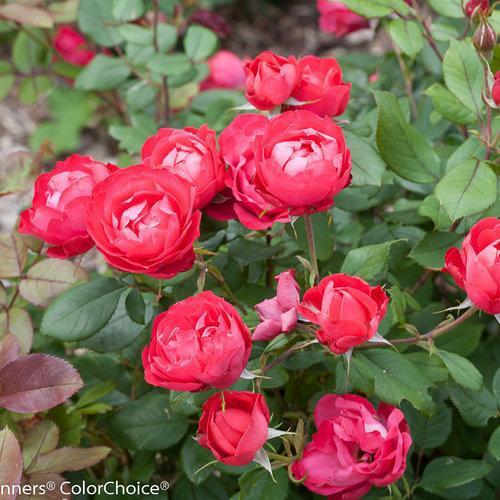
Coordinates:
312	247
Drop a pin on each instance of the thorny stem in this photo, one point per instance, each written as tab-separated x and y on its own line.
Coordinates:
312	247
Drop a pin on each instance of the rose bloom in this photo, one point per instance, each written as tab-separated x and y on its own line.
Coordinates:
226	71
190	153
336	18
472	5
279	314
270	80
476	266
356	447
246	201
495	91
347	309
234	426
302	162
200	342
57	215
321	83
72	46
142	221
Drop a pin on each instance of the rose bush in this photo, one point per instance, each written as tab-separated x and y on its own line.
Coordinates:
288	286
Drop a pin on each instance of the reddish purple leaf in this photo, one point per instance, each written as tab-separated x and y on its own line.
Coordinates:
11	462
9	349
36	383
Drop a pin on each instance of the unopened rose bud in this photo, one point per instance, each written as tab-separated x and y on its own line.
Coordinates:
485	37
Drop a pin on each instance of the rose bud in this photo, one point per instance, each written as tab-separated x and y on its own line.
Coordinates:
142	221
279	314
476	266
234	426
336	18
485	37
57	215
473	7
302	162
347	309
356	447
238	145
495	90
190	153
270	80
321	85
226	72
72	46
200	342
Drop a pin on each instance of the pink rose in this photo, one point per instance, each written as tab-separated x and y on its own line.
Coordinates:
279	314
190	153
234	426
336	18
347	309
270	80
321	83
72	46
226	71
356	447
200	342
61	196
476	266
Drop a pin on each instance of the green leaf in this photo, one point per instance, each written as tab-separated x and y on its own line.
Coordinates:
257	484
431	208
95	18
199	43
147	424
136	34
136	307
127	10
463	74
367	166
429	252
404	149
396	378
27	52
83	310
94	393
447	105
462	371
171	65
6	84
370	262
496	386
448	8
13	255
377	8
248	251
323	234
407	36
467	189
211	489
193	458
167	37
187	403
32	88
475	408
471	148
429	432
494	444
450	472
102	73
462	340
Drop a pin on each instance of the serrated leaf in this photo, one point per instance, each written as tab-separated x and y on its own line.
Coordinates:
367	166
48	279
194	458
13	255
407	36
17	322
448	8
475	408
431	208
404	149
83	310
430	432
257	484
467	189
429	252
462	371
95	18
69	459
494	443
447	105
136	307
11	462
376	8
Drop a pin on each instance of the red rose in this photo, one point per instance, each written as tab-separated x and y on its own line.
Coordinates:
476	266
226	71
347	309
302	161
58	212
279	314
473	5
234	426
142	221
270	80
336	18
321	83
495	91
72	46
191	154
198	343
356	447
237	144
